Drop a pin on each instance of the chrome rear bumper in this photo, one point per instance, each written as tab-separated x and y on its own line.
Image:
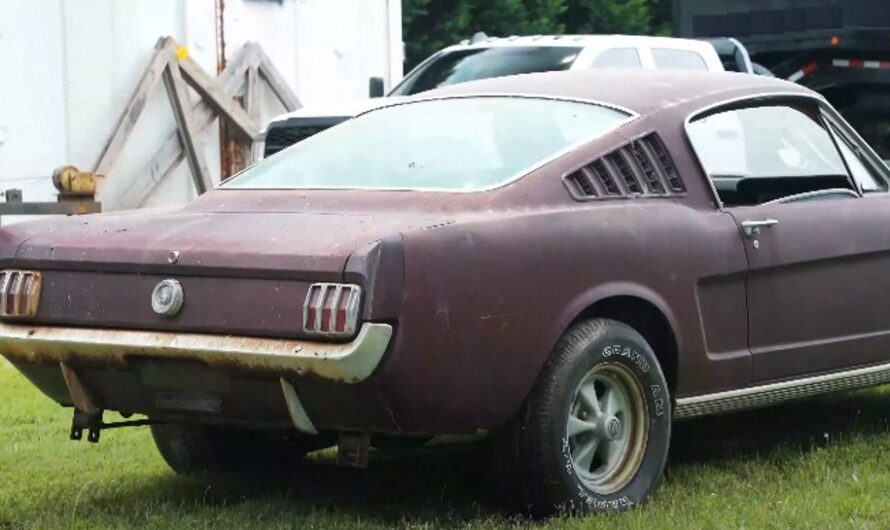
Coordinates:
349	362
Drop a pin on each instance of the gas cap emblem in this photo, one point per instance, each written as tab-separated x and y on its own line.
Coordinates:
167	298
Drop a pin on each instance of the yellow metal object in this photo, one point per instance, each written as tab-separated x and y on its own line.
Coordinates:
71	181
182	53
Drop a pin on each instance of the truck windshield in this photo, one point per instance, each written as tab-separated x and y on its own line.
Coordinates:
461	66
456	144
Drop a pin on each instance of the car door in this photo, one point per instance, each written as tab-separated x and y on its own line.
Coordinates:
818	246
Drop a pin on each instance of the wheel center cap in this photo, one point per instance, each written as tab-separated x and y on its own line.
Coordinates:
613	428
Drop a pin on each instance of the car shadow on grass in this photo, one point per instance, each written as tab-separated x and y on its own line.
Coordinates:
451	486
443	486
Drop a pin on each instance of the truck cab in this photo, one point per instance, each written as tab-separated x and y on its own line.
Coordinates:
484	57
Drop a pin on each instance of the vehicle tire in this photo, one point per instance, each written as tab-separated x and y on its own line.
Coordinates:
594	433
196	449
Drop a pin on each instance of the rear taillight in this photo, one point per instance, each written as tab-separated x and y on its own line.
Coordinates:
331	309
19	294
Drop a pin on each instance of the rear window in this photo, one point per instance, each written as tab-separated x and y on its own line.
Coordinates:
461	66
669	59
457	144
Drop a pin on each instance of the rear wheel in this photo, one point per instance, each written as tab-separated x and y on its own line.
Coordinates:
594	433
195	449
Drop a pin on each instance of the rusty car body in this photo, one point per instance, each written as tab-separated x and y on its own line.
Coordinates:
702	290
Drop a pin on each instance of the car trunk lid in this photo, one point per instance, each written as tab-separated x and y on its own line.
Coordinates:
311	246
242	273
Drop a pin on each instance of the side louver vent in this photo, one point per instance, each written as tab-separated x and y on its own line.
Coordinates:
604	177
581	183
665	163
642	167
627	174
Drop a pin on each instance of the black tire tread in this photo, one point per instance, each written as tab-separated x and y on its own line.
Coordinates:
538	446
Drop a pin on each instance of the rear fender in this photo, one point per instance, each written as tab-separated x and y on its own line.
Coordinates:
380	269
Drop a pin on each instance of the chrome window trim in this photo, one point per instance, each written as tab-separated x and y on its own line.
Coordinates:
816	193
874	161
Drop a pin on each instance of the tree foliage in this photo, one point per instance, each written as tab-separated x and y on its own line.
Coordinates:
430	25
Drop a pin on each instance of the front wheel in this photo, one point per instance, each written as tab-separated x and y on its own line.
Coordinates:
594	433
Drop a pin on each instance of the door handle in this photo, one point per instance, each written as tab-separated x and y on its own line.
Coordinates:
752	228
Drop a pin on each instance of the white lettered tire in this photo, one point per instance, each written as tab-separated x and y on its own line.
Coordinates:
594	434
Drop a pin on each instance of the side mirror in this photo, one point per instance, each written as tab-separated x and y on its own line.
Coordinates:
375	87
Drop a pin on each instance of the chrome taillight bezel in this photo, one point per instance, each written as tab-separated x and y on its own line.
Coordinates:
22	288
336	298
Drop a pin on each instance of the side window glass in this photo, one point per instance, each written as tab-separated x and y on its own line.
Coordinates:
864	176
678	59
618	58
772	153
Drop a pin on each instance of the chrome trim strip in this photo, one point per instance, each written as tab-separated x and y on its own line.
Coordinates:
298	414
817	193
764	395
349	362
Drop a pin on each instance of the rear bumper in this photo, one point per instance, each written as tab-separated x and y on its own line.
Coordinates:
349	362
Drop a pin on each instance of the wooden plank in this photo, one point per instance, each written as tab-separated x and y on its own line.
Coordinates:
168	157
177	92
276	82
210	90
133	109
252	92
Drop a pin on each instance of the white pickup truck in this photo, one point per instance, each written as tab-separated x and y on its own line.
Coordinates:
484	57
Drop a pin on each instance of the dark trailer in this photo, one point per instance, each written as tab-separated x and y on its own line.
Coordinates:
839	48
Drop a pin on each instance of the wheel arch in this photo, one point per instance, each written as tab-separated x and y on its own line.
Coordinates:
640	308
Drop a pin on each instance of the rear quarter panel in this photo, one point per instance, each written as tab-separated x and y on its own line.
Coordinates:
485	302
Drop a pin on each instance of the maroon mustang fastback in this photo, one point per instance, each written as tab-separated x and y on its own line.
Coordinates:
567	261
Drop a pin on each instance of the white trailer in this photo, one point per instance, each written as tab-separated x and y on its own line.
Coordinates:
70	66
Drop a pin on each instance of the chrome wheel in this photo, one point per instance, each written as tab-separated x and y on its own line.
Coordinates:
607	428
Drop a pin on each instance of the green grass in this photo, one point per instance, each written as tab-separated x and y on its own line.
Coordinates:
817	464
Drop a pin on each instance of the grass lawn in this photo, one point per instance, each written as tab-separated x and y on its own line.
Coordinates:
818	464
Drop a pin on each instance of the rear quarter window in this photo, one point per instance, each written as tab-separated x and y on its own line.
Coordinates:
670	59
618	58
